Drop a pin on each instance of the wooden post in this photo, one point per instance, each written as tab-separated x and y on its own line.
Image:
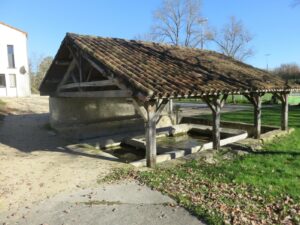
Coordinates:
171	107
216	103
150	127
216	125
284	112
283	97
255	99
153	110
257	117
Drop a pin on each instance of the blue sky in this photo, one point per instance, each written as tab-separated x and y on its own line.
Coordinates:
274	23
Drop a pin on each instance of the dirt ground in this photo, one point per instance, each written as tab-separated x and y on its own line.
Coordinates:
33	163
42	183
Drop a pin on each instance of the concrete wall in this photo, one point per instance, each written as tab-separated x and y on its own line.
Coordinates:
227	124
82	118
10	36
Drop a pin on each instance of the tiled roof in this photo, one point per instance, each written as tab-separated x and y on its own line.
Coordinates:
159	70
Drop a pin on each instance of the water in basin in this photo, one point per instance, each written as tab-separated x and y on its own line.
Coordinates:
186	141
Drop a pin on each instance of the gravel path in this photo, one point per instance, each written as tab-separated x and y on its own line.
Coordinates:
33	164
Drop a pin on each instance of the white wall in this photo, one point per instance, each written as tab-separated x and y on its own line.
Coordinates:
10	36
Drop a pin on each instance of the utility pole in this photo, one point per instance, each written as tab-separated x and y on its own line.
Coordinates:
267	60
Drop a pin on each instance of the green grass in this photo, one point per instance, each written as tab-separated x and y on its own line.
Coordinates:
294	100
260	183
277	168
240	99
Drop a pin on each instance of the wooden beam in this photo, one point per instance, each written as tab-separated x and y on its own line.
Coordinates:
283	97
102	83
67	74
150	137
63	62
140	109
159	108
255	99
171	106
216	103
104	73
98	94
284	112
80	69
257	117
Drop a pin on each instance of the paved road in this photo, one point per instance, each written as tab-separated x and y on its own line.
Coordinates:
125	203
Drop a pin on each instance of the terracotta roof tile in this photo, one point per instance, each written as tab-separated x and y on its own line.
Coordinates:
159	70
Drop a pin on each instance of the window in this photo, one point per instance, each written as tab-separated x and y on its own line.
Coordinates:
2	81
12	80
11	56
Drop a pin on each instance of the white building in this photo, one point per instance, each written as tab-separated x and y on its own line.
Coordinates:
14	75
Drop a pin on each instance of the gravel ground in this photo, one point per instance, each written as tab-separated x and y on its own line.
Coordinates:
33	163
41	183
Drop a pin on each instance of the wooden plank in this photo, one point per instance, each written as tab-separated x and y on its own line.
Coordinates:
150	137
102	83
98	94
67	74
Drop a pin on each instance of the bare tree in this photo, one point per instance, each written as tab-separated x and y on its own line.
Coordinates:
179	22
42	65
233	40
289	72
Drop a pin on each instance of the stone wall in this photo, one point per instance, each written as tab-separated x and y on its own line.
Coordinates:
82	118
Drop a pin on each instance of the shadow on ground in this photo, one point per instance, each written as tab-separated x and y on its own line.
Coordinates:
31	132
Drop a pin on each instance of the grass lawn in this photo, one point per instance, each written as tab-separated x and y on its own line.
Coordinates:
258	188
240	99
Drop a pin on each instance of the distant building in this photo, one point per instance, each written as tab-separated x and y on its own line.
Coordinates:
14	75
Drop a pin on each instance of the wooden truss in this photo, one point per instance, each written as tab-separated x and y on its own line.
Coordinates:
85	78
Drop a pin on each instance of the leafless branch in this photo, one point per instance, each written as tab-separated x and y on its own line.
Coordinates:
179	22
233	40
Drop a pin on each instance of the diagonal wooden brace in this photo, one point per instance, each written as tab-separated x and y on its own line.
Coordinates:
255	99
283	97
215	103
